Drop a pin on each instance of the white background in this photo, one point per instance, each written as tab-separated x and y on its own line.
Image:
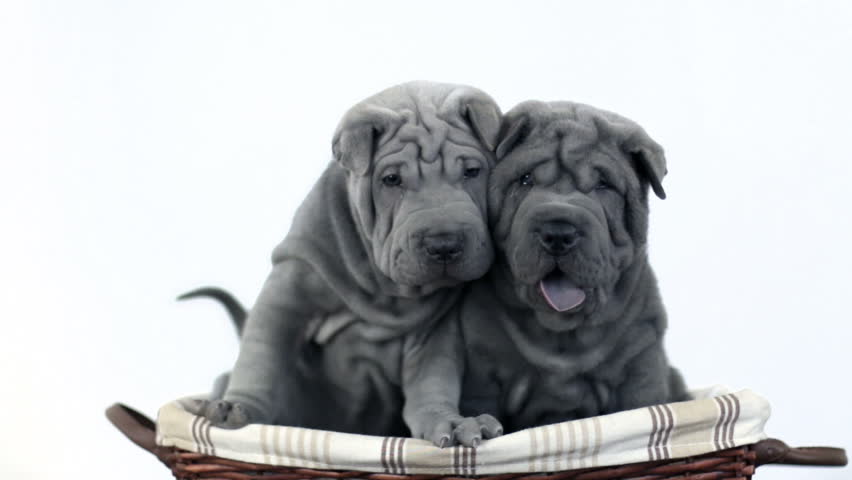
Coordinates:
151	147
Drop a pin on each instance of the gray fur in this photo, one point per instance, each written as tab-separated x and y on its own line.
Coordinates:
335	340
527	363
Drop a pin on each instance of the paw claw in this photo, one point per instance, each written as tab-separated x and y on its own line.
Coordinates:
489	426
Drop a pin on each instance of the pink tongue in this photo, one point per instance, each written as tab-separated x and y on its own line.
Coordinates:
560	293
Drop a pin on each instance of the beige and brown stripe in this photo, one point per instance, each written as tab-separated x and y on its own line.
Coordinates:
201	436
281	445
729	413
662	423
565	446
392	455
464	460
264	443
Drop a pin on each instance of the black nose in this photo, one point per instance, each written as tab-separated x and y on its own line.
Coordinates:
444	247
558	237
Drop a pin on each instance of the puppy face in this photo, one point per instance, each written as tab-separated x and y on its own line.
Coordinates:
569	206
419	157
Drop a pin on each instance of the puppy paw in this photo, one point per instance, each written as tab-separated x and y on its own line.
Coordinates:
449	429
223	413
472	430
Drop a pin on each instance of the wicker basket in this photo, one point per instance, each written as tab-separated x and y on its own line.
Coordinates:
731	464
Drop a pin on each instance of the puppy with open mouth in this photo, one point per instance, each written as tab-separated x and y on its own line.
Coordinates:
569	323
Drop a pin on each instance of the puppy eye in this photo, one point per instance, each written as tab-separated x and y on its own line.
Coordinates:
526	179
472	172
603	185
392	180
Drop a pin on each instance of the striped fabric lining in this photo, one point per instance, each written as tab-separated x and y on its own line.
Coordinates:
717	420
278	444
464	460
565	446
391	456
729	413
662	421
201	436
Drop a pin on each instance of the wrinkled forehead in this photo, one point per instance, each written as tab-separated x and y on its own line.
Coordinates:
432	136
576	148
585	154
575	141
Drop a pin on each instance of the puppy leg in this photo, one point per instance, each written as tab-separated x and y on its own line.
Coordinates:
220	385
265	371
649	381
433	367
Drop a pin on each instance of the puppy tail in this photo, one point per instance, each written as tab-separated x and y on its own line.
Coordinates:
232	305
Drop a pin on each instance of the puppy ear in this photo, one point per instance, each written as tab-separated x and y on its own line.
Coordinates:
358	135
484	117
649	160
514	131
651	164
646	155
478	110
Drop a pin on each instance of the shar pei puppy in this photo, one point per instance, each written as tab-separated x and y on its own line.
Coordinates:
373	260
569	323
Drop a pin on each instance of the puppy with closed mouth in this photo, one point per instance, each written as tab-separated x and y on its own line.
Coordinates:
569	323
373	260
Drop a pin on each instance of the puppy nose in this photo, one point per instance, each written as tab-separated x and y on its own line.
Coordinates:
558	237
443	247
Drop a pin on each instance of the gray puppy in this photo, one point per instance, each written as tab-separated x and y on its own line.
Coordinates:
569	323
372	261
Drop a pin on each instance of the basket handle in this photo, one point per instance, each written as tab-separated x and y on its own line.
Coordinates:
775	451
140	429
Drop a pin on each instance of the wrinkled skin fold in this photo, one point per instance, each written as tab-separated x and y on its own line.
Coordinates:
373	260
